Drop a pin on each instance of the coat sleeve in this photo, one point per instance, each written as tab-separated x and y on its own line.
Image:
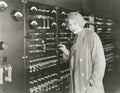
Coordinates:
99	64
66	57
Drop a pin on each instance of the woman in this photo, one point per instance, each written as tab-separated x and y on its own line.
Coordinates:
87	60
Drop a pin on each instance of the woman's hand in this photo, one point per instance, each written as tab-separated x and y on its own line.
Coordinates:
63	48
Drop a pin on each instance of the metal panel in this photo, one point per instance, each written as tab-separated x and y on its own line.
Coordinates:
12	32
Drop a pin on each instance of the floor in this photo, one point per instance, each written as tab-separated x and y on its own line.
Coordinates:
112	82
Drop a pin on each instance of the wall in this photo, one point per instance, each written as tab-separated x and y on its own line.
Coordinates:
69	4
105	8
108	8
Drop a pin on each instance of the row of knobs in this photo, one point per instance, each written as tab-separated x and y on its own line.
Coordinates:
45	24
35	9
43	59
47	86
36	67
40	79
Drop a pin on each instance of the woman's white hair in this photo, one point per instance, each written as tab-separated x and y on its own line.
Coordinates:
76	16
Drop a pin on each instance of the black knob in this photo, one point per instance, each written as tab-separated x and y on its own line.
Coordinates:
3	45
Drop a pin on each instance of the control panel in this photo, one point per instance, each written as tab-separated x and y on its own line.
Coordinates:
65	37
45	28
103	28
30	59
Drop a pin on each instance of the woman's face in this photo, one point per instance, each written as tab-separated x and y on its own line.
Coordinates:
74	26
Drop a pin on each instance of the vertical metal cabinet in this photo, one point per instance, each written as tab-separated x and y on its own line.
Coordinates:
12	32
34	71
46	72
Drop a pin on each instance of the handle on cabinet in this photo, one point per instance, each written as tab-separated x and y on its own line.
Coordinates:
8	71
1	75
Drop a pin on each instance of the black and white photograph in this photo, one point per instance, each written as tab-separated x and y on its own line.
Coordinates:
59	46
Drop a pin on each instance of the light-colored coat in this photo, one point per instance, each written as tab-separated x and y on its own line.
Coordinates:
87	63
